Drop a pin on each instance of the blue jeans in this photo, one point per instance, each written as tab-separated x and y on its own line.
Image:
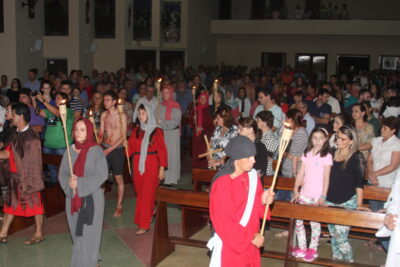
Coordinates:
52	168
376	205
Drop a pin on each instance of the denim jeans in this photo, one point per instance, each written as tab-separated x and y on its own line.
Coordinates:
52	168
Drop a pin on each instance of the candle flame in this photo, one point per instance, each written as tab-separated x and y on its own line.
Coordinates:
119	101
63	102
90	113
216	80
159	80
286	124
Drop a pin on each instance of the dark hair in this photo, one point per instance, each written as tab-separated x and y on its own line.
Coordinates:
265	91
362	109
244	90
323	91
34	70
45	81
391	122
325	148
18	81
66	82
296	116
300	94
64	96
345	118
227	117
22	109
249	123
267	117
25	91
364	91
113	95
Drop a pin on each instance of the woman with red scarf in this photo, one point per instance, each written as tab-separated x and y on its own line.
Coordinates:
84	202
202	124
170	116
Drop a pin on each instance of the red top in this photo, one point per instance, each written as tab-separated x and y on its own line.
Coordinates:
156	146
11	159
228	199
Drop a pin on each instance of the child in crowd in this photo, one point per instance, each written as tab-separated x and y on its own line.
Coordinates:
313	178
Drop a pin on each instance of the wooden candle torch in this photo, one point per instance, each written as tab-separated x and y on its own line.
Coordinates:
120	112
283	143
63	114
194	105
91	119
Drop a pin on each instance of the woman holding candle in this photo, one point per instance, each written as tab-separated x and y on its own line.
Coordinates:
84	200
149	163
170	120
202	125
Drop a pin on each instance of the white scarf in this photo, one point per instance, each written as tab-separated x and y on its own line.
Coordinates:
215	243
148	128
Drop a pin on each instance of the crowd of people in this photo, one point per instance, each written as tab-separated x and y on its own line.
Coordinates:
345	135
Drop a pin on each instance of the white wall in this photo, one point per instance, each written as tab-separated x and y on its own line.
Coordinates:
27	32
246	50
201	47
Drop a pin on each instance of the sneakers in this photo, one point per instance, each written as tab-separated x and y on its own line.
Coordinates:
310	255
299	253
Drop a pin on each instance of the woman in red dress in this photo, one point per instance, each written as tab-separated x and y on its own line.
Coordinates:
149	162
205	126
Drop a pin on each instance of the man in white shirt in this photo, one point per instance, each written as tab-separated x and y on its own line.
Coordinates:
149	99
267	102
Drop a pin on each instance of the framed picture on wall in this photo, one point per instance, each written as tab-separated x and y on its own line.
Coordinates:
389	62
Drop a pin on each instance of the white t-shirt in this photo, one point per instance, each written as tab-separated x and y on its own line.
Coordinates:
381	156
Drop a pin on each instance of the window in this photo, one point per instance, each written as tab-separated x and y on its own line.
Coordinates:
273	60
142	20
389	62
171	22
312	65
1	16
350	64
56	17
170	60
136	59
104	19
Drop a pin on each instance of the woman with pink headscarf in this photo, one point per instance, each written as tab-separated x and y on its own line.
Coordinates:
169	118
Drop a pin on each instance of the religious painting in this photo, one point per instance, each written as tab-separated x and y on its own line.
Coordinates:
142	20
56	17
104	19
171	21
390	62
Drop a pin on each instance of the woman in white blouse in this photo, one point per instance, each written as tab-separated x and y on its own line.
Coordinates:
384	158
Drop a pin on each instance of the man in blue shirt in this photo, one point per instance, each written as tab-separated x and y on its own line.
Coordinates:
319	110
183	96
33	83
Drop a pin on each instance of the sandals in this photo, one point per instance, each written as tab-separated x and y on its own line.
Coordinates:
3	240
34	240
118	212
142	231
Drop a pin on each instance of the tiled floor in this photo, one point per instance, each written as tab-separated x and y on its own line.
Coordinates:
120	247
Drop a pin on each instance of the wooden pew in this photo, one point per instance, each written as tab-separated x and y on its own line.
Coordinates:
164	244
53	198
204	176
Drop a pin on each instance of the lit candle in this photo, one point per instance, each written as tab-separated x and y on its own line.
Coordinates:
157	84
63	107
215	85
120	106
91	118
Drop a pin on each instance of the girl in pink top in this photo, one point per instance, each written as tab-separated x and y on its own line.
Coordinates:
313	181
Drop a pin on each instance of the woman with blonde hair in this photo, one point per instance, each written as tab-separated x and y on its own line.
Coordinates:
346	184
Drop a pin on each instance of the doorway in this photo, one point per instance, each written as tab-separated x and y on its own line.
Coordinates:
351	64
138	59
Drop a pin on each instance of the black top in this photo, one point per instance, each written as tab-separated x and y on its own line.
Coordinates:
344	181
261	157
